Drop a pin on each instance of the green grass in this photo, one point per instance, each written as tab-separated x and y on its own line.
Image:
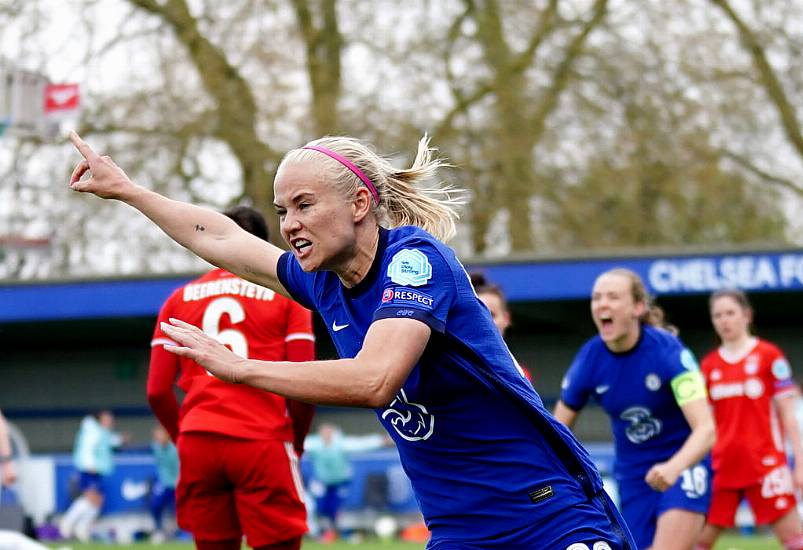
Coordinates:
757	542
731	542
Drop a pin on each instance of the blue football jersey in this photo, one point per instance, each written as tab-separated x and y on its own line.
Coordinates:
483	455
634	389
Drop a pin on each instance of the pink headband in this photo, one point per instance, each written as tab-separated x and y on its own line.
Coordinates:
348	164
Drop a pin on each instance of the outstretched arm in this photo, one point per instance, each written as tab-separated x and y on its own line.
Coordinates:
210	235
371	379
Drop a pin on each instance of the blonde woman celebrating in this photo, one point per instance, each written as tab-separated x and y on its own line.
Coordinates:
490	467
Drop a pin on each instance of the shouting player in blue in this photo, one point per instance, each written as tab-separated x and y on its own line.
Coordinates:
490	467
651	387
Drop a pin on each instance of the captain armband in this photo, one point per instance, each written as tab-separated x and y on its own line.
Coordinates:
688	387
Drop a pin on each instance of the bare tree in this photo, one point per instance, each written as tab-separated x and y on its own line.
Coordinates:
575	124
519	119
770	81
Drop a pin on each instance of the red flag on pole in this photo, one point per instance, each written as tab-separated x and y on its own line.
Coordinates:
61	98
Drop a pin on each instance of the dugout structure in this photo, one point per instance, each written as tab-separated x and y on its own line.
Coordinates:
73	346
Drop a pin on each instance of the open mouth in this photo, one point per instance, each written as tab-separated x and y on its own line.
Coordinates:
300	245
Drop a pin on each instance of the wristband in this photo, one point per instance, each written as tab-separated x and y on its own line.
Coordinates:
6	458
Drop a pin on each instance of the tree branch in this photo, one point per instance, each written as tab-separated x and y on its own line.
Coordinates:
761	173
767	77
560	77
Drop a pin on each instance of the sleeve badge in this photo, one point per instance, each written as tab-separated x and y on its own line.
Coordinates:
409	267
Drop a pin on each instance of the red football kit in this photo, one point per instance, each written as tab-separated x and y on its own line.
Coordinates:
748	457
220	427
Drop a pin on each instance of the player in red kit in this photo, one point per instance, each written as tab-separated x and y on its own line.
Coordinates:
752	391
238	446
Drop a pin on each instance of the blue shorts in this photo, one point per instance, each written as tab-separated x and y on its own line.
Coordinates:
91	481
641	505
593	525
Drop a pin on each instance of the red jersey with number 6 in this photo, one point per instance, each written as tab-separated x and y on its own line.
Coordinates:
742	390
255	323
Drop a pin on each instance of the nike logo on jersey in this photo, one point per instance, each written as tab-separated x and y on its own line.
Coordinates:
338	328
602	389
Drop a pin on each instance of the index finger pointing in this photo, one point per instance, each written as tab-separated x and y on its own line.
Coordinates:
83	147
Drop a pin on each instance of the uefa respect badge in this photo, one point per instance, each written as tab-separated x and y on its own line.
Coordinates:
410	267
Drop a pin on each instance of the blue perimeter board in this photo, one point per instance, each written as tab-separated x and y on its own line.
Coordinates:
522	281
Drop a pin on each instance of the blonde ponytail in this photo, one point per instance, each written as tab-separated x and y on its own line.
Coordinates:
432	208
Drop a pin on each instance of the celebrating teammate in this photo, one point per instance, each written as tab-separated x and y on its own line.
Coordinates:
650	387
751	388
237	462
491	468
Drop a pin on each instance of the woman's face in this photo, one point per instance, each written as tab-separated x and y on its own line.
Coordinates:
731	321
615	312
499	312
106	419
315	219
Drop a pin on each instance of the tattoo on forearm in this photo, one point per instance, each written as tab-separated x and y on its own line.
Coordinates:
199	227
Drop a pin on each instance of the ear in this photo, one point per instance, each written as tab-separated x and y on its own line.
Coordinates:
640	308
508	321
361	204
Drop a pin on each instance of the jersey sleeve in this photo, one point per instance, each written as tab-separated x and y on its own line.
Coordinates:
575	389
162	371
299	324
780	372
677	360
418	283
681	370
299	339
297	283
687	381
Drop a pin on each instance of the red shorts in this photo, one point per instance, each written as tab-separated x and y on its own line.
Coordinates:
228	487
770	500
